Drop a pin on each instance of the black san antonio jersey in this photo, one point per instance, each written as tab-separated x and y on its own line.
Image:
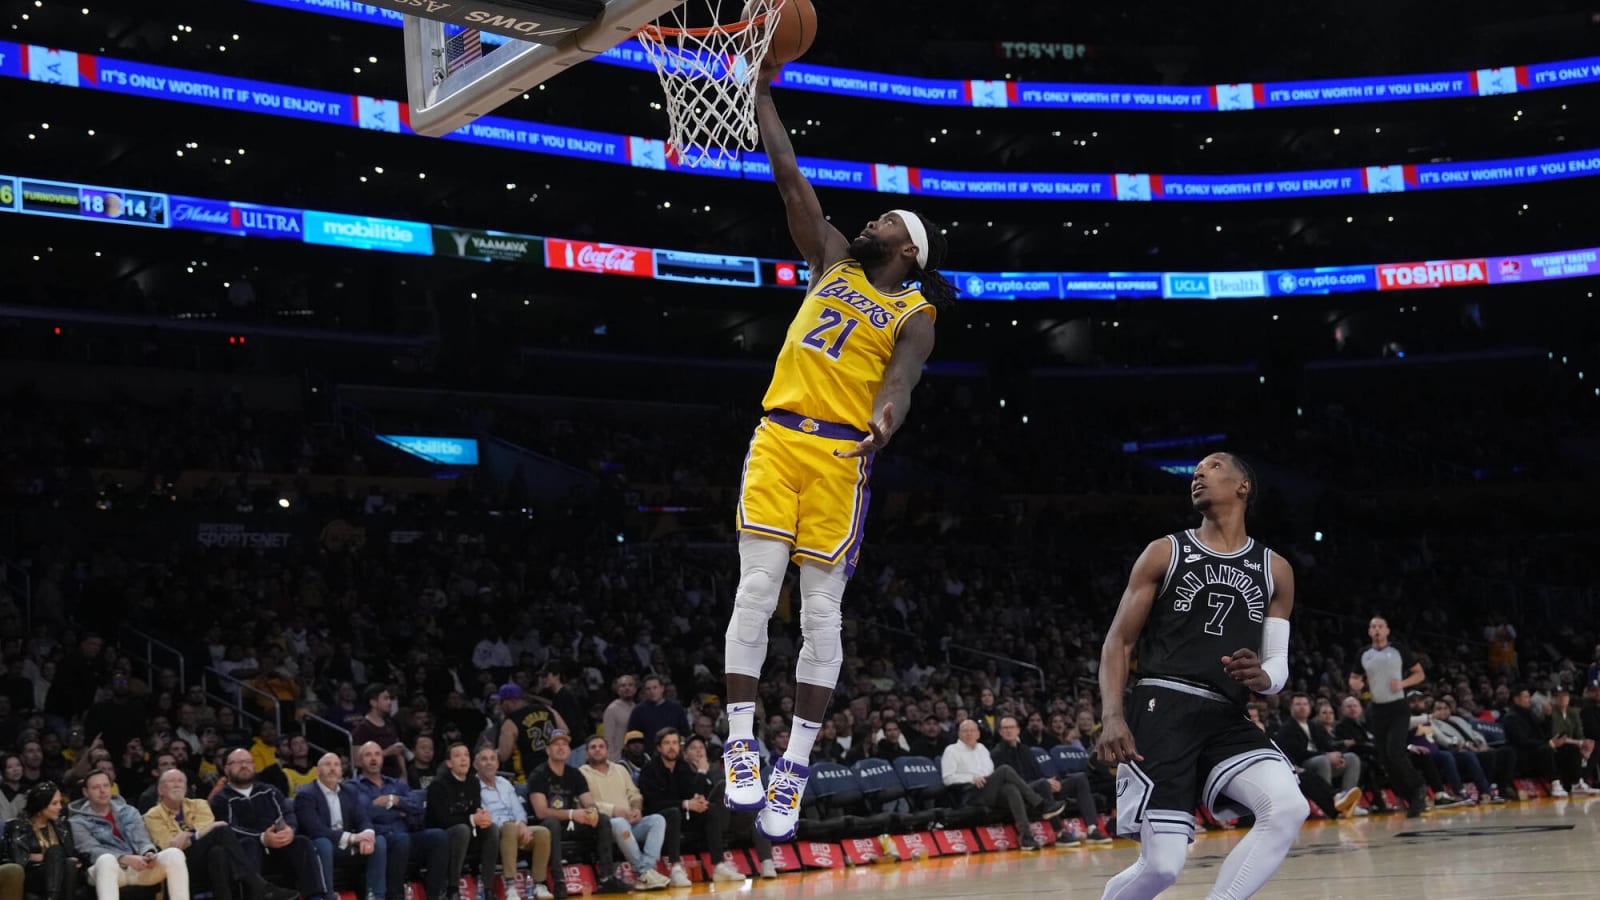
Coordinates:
1210	605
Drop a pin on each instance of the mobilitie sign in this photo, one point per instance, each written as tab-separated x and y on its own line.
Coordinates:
449	451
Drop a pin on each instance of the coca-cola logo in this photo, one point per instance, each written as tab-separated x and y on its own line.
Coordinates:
605	259
609	259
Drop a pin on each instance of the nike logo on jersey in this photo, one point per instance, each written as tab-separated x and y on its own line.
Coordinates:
1193	557
810	727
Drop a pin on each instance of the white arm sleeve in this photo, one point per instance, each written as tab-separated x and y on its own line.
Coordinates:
1275	653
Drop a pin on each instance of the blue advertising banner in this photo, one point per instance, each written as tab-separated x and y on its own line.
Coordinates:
450	451
368	233
138	79
1068	95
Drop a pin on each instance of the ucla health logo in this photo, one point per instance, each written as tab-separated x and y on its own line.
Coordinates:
1188	285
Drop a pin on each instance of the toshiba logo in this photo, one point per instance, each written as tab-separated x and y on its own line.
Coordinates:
1433	274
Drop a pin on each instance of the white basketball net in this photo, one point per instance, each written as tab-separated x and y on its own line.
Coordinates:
708	74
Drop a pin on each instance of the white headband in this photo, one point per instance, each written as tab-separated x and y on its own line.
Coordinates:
918	233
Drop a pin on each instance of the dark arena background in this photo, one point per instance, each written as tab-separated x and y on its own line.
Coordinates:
317	431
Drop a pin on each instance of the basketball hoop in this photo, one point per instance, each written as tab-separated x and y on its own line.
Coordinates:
708	71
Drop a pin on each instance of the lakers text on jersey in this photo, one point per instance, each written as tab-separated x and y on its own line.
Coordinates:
839	345
795	486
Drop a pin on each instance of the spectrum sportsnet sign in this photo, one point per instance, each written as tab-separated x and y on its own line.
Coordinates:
603	259
1444	273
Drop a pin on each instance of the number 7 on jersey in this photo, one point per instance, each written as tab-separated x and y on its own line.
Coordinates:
831	319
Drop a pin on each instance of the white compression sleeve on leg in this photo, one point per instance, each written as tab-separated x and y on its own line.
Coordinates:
1161	859
1267	787
1275	653
762	562
822	649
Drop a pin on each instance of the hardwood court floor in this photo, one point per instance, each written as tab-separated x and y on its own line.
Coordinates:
1543	848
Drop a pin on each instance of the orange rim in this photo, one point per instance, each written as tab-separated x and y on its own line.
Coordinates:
658	32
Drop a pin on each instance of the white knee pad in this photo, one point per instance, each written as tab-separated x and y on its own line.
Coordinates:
822	650
762	562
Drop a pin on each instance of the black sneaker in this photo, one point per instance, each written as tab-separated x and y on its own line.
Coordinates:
1096	836
612	885
1029	843
1052	809
1418	804
559	888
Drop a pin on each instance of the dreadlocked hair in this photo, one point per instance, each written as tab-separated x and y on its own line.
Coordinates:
935	287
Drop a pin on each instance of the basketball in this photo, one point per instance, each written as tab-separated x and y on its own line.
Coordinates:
792	36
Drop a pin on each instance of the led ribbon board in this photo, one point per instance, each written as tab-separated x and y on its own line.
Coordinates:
81	70
1072	95
94	203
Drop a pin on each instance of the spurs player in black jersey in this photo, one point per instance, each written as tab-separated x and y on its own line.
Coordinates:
1206	614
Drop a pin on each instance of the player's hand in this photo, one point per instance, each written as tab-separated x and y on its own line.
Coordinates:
1116	743
1244	666
978	781
882	426
767	72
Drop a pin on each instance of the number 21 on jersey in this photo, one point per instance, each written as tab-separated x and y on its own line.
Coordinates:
818	337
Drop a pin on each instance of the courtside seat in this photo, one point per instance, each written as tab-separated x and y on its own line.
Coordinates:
879	782
1069	760
924	787
836	788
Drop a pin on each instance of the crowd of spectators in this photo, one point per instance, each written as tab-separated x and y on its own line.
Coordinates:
493	654
399	684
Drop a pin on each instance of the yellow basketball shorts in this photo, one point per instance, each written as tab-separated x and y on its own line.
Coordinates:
796	488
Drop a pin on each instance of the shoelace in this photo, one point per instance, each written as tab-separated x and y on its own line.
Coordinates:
744	765
785	789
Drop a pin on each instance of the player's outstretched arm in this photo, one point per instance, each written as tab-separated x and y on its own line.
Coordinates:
889	408
1116	741
819	242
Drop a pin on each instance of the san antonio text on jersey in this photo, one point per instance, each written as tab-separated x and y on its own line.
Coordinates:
1210	605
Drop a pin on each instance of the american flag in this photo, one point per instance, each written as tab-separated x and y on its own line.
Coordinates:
462	49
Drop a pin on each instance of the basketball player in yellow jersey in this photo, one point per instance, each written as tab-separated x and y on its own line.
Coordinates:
840	390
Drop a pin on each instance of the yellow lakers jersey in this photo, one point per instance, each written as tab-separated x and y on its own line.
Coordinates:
838	346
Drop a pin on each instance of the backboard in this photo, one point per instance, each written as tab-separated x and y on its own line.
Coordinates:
465	58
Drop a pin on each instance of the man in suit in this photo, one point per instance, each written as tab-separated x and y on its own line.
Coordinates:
334	818
267	828
1310	747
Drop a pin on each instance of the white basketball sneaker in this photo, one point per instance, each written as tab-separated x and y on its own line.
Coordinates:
742	767
780	818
